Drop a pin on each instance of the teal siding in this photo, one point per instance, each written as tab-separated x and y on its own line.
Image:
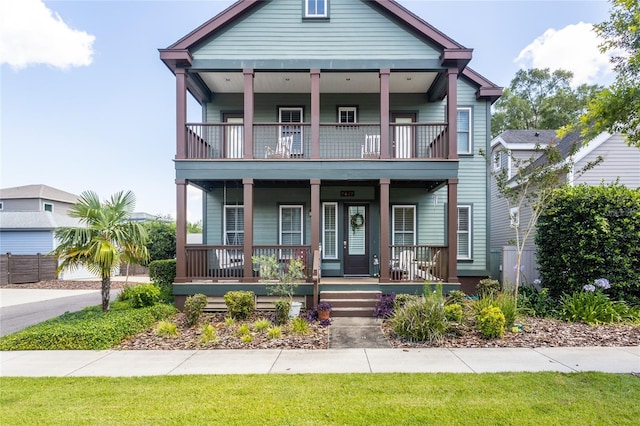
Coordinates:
472	186
277	31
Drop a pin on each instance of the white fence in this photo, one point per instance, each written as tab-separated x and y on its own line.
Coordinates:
528	265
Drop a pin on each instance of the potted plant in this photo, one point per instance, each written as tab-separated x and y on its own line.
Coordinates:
324	310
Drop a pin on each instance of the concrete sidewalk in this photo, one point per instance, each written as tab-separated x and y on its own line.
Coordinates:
113	363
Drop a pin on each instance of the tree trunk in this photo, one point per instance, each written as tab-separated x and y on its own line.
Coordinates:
106	286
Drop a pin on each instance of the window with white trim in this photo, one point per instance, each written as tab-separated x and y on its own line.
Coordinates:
291	225
234	225
347	114
464	131
329	230
48	207
464	232
316	8
403	219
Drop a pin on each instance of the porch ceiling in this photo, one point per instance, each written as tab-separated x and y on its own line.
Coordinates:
330	82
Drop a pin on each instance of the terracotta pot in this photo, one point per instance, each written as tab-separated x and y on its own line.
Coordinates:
323	315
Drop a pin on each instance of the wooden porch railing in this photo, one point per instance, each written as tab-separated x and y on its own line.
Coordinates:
418	263
220	262
337	141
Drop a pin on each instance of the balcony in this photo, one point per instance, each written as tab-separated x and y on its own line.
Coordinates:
354	141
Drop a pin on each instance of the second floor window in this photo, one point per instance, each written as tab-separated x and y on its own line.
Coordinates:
316	8
347	114
48	207
464	131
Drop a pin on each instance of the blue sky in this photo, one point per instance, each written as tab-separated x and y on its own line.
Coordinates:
86	103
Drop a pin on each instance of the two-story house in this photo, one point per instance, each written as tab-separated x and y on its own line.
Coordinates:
345	133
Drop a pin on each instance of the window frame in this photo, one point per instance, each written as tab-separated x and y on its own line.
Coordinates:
316	15
224	224
44	207
514	217
324	230
469	130
345	108
393	222
467	232
289	206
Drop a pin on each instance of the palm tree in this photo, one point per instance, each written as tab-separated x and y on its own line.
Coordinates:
105	238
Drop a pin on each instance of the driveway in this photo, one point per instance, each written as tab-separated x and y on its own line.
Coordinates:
20	308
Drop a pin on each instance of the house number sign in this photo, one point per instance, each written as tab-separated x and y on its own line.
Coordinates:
347	193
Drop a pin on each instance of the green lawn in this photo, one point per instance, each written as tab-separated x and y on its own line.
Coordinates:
361	399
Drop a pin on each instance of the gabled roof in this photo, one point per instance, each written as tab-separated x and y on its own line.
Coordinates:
525	139
35	221
453	53
39	192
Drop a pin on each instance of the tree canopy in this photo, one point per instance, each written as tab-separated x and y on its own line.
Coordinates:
541	99
617	108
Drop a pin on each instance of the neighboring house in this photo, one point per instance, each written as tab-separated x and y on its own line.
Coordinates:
36	198
347	131
620	162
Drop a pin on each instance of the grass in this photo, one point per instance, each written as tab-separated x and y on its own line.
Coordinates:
363	399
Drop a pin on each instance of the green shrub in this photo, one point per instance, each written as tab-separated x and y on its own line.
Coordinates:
421	320
588	232
274	332
282	310
536	303
193	308
491	322
163	273
453	312
456	296
504	301
88	329
594	308
299	326
142	295
243	330
240	304
229	322
246	338
208	334
487	287
167	329
261	325
403	299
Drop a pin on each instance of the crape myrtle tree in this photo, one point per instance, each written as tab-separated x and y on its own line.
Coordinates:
617	108
532	187
105	238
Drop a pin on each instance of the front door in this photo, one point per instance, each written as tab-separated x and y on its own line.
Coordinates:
356	239
403	136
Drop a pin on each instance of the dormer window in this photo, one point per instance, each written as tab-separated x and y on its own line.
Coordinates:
316	8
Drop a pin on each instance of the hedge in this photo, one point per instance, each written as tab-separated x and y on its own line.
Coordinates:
591	232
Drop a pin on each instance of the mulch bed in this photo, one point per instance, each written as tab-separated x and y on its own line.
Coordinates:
537	332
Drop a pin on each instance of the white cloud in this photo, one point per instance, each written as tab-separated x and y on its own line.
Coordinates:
573	48
32	34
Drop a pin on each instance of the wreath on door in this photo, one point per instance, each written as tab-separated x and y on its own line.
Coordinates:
357	220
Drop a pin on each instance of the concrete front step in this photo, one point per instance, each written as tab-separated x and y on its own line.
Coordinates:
352	312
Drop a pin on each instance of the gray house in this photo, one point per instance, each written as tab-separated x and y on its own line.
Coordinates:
620	162
345	133
29	216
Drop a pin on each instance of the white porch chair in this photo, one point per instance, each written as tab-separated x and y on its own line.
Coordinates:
229	258
371	147
283	148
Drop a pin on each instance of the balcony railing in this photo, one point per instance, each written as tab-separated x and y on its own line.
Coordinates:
209	262
292	141
418	263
